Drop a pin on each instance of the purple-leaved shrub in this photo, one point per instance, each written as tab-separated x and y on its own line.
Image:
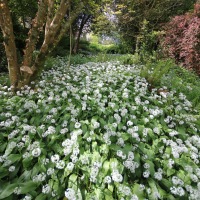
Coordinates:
182	39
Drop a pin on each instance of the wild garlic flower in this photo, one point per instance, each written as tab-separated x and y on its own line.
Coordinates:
146	174
46	189
70	194
55	158
36	152
116	176
60	164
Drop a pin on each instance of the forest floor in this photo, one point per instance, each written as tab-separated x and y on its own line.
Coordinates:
100	130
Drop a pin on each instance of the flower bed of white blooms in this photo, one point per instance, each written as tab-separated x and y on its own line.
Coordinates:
96	131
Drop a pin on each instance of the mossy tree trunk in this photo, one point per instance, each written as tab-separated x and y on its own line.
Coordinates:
49	18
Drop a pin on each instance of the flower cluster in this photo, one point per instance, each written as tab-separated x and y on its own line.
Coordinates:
96	131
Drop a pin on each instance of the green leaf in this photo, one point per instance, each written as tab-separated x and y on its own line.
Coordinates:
125	136
111	120
102	121
151	168
3	172
73	180
14	158
154	189
2	145
137	191
110	188
25	176
170	171
166	183
56	185
120	125
66	117
107	194
84	128
127	148
8	190
99	194
41	197
106	166
28	186
27	162
71	126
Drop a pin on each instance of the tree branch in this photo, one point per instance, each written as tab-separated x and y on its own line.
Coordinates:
33	34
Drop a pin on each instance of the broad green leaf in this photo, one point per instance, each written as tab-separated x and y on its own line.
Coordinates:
136	190
28	186
99	194
27	162
94	146
110	120
125	136
41	197
8	190
73	180
151	168
110	188
66	117
14	158
25	176
84	128
102	121
166	183
154	189
71	126
106	166
107	194
3	172
2	145
170	172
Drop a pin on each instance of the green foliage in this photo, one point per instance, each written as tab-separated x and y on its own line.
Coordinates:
154	71
131	15
3	59
184	81
62	49
96	131
4	79
147	46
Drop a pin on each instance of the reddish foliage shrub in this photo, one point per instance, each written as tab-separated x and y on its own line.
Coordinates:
182	39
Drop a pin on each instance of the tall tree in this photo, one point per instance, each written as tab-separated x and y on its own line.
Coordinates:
50	17
86	18
82	21
133	14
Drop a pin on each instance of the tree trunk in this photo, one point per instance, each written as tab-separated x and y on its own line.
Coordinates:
84	20
9	43
33	35
55	27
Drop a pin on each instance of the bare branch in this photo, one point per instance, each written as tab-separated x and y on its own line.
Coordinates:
50	14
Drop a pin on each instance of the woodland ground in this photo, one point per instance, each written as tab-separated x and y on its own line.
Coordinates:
102	130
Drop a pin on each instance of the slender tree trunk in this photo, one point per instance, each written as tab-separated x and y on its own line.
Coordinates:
55	27
9	43
79	32
52	40
33	35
